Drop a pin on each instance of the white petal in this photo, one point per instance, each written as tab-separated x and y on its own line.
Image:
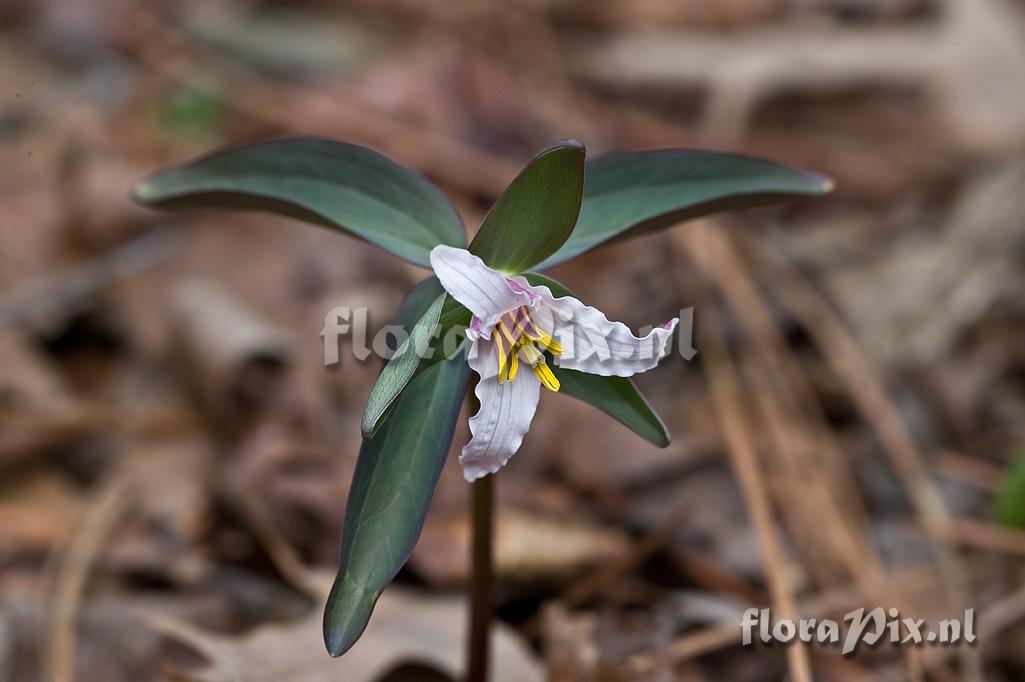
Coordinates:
592	343
485	292
504	417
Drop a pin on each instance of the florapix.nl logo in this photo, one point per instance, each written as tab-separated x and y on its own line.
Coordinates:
861	626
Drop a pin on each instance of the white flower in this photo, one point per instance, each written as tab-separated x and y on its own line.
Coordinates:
513	324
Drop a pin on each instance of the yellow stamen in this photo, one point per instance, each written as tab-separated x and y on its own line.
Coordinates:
549	343
515	338
506	333
514	365
502	355
548	380
520	325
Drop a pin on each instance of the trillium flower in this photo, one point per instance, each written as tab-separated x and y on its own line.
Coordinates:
514	325
522	337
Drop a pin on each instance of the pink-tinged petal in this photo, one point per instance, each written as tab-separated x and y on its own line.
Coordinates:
524	288
475	330
506	411
485	292
594	344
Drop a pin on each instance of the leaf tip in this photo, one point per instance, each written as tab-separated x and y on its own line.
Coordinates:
144	191
368	427
568	143
346	616
367	422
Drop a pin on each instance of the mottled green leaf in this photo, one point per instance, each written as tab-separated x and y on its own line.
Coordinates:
446	338
536	213
395	477
335	184
617	397
627	194
401	366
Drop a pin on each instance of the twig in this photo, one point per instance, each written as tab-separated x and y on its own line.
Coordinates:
705	572
102	513
984	536
691	646
867	390
241	487
725	392
802	442
969	470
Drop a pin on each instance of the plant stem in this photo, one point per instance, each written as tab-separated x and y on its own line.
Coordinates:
482	580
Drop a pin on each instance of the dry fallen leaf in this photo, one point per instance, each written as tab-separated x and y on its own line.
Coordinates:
406	628
37	410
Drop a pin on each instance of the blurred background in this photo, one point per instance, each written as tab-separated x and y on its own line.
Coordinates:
175	456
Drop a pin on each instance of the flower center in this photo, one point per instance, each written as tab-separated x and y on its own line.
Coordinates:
517	338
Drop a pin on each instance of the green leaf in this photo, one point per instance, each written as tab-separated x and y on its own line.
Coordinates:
396	474
617	397
1010	500
627	194
536	213
338	185
429	343
401	367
